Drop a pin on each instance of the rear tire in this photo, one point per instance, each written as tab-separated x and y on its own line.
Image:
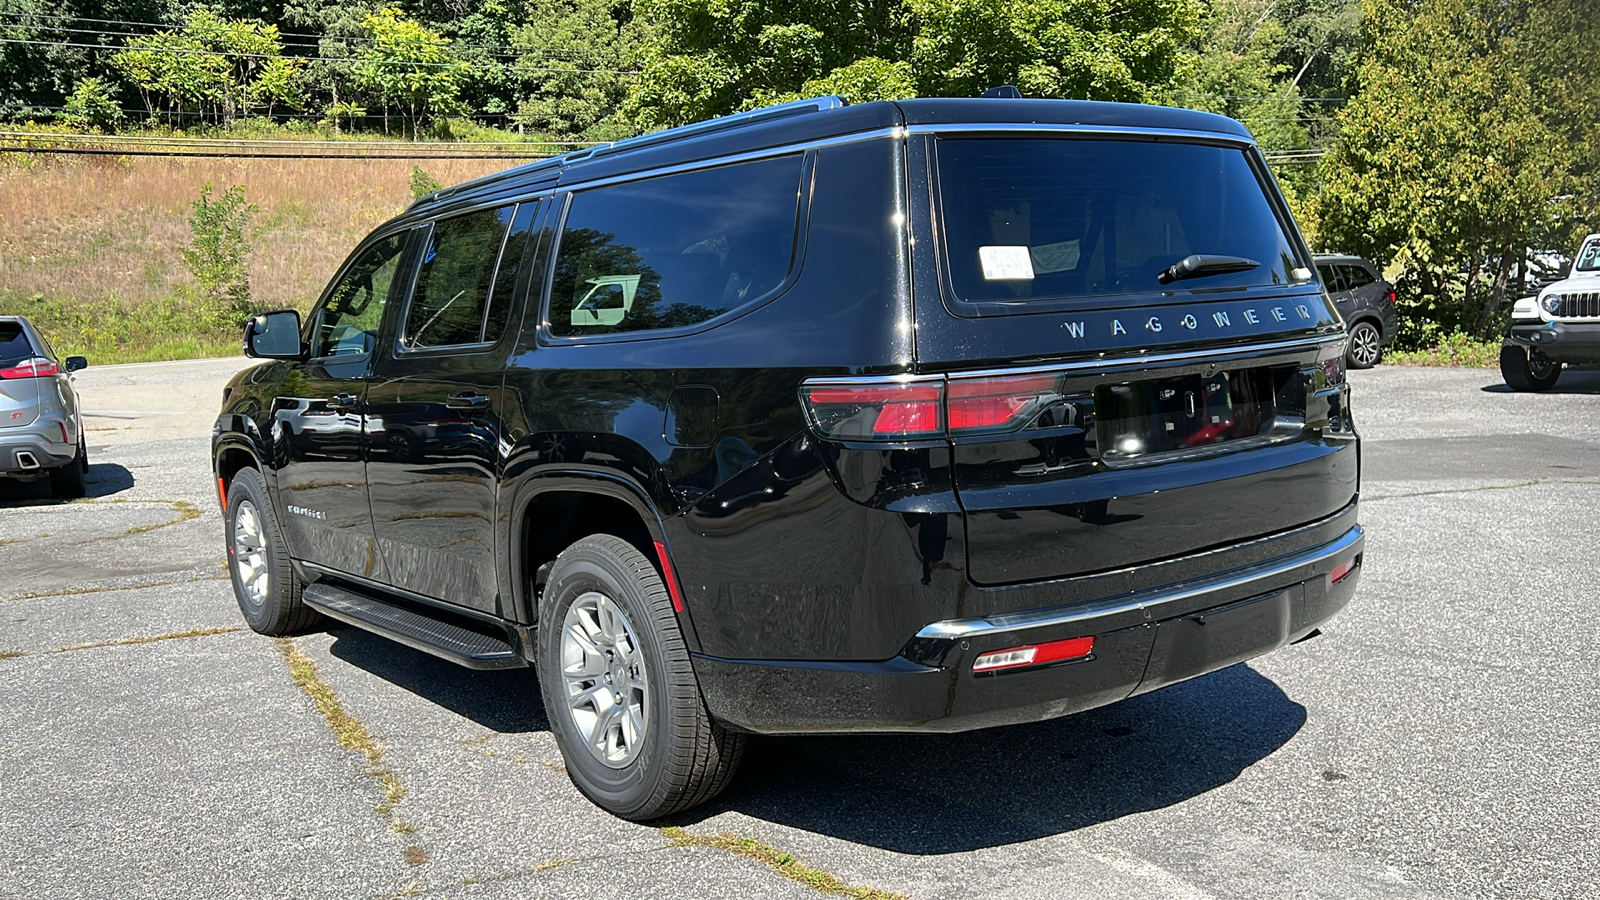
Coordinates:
619	689
66	482
1365	346
1523	373
264	582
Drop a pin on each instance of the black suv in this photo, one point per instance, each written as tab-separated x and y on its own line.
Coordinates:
917	416
1365	300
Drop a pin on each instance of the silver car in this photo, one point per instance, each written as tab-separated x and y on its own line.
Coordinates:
41	427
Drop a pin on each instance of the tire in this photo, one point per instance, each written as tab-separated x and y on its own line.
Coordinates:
1365	345
660	752
264	582
1522	373
66	482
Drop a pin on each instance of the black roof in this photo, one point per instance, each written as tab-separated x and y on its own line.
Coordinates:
806	121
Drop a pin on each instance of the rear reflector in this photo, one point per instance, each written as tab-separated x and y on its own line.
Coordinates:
1034	654
33	368
1343	570
670	577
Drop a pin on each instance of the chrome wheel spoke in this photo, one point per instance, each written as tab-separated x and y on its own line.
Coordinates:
603	671
250	553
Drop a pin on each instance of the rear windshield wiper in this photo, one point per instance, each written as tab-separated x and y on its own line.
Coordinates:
1200	265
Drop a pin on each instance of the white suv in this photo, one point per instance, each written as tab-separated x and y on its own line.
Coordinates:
1560	325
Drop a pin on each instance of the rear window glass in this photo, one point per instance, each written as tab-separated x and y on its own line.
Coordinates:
14	346
675	250
1043	221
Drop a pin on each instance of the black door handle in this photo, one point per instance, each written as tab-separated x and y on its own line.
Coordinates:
344	401
467	401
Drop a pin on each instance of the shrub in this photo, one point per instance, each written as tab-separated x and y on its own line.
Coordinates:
91	107
215	256
422	183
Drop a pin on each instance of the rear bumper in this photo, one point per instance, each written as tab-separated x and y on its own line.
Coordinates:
1143	641
1564	342
16	448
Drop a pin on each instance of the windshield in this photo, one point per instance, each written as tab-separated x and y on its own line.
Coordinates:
1029	220
1589	257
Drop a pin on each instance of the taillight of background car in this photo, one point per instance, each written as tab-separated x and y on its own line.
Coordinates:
38	367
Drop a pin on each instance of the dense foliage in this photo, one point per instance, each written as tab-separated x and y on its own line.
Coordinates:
1452	141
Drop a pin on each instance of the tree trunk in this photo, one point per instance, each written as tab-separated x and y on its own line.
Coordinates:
1497	295
1468	313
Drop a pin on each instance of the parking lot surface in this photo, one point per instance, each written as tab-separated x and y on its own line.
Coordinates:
1438	740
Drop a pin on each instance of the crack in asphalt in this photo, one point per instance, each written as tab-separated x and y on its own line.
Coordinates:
122	642
352	734
78	591
1477	490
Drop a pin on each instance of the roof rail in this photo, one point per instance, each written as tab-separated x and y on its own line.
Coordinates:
777	111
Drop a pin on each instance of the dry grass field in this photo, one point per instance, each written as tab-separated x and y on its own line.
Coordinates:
90	246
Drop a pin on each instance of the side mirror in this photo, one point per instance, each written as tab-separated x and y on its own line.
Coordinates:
74	363
273	335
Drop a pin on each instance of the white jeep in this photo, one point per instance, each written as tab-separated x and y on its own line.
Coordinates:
1561	325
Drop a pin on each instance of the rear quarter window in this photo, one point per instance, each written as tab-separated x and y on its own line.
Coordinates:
675	250
14	346
1049	223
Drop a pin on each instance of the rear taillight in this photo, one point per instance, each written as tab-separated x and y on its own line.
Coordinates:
998	403
911	407
33	368
871	409
1034	655
1390	296
1331	359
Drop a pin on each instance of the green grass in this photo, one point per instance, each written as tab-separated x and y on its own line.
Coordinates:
108	331
1456	350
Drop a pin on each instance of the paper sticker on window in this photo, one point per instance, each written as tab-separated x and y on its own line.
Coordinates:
1005	263
1059	257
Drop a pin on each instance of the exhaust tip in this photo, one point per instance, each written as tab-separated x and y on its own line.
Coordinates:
27	461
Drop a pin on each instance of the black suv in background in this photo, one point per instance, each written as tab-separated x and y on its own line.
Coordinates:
1365	300
917	416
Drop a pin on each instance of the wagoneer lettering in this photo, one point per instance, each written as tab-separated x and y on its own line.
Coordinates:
919	416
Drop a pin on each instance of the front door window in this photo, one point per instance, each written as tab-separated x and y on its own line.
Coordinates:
348	323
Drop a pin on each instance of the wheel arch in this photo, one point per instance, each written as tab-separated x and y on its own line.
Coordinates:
554	510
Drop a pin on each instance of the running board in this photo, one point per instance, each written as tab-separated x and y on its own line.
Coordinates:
414	628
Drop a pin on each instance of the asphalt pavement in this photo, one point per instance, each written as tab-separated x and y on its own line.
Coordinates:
1438	740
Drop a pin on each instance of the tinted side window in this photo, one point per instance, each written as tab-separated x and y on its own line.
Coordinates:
14	346
675	250
1356	276
1030	219
452	297
348	323
1330	278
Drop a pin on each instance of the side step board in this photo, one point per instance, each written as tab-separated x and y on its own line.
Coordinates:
414	628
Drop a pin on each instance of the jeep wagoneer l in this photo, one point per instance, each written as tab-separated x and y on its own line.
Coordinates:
918	416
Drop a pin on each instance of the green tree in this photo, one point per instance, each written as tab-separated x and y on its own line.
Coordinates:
1235	69
1444	163
410	65
218	67
423	183
216	255
91	107
1125	50
708	58
573	66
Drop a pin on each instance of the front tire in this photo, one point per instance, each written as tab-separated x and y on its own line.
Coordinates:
264	582
619	689
1523	373
1366	346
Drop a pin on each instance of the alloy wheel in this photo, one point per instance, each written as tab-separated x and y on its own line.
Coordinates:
607	688
250	553
1365	345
